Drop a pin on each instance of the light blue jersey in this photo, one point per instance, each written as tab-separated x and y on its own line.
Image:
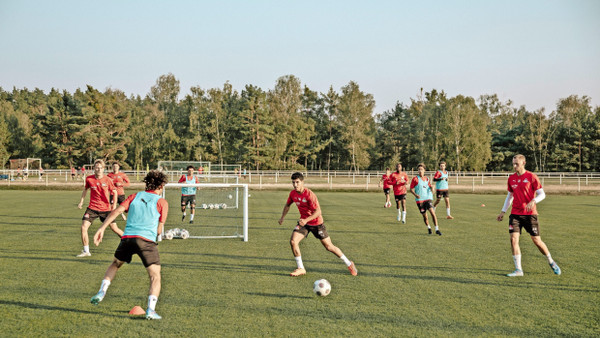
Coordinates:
189	190
143	216
443	184
423	190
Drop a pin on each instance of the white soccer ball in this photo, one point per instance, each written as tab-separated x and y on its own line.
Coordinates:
211	206
322	287
230	197
204	206
169	235
224	206
185	234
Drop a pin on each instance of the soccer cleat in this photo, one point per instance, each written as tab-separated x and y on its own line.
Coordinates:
183	218
84	254
516	273
151	314
352	269
191	221
403	221
438	232
555	268
298	272
429	230
97	298
449	217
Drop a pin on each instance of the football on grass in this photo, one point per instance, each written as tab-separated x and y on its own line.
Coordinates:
322	287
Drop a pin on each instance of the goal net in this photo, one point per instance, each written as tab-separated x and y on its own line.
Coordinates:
221	210
180	167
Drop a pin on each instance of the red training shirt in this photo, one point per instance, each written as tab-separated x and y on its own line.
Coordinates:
120	180
307	203
399	180
386	181
100	191
523	188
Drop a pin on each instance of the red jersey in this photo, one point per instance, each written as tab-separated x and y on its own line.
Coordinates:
120	180
162	206
307	203
100	191
386	181
399	180
523	188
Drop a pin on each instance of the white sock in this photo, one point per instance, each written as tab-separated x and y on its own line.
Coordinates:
191	217
299	262
152	302
550	260
428	227
346	260
517	260
104	286
404	215
86	248
436	228
399	212
448	211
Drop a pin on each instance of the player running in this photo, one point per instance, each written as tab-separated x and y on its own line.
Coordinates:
121	181
101	188
441	188
421	188
385	179
147	216
524	192
311	221
399	180
188	194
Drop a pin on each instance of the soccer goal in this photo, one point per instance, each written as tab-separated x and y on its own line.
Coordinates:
179	167
221	210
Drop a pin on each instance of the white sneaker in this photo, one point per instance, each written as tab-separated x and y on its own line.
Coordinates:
516	273
84	254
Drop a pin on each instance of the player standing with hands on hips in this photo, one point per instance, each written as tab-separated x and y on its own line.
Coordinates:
311	221
524	192
147	215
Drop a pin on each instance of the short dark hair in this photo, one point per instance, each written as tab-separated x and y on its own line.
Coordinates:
190	167
297	175
442	162
421	165
155	180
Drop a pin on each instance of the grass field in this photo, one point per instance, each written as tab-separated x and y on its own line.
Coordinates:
409	283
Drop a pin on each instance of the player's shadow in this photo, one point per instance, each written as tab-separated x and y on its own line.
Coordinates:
58	308
275	295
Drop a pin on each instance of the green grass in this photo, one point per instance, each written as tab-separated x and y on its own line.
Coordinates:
409	283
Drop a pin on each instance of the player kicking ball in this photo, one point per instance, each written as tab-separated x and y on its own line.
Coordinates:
524	193
310	221
147	215
421	188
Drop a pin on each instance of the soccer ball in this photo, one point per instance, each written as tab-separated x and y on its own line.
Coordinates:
169	235
204	206
224	206
185	234
211	206
322	287
230	197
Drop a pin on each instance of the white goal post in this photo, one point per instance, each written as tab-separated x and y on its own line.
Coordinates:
221	210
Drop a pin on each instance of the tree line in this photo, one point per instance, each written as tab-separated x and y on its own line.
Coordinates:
293	127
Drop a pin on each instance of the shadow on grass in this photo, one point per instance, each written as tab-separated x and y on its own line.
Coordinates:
276	295
59	308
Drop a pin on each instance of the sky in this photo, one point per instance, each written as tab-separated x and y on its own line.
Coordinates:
530	52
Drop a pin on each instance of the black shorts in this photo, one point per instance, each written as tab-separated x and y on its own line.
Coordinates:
400	197
146	250
529	222
191	199
386	191
318	231
442	193
90	215
120	199
424	206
